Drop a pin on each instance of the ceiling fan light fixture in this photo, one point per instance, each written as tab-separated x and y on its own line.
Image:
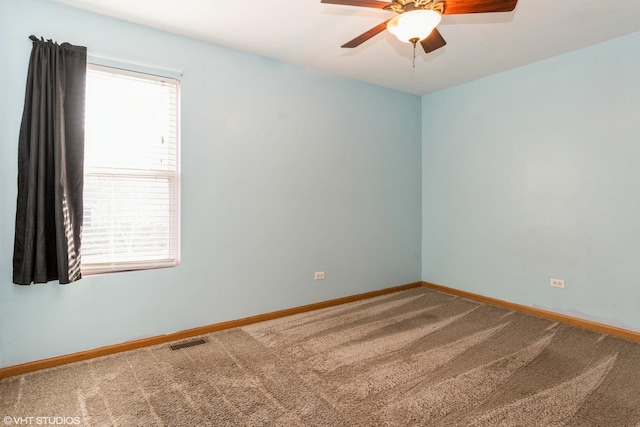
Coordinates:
410	27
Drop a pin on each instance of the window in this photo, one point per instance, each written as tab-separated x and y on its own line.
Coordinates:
131	176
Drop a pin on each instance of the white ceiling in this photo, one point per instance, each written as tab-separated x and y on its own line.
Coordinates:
309	33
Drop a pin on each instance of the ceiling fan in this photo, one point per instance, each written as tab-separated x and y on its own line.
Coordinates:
417	19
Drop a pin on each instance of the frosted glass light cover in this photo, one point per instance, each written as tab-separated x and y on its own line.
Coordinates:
416	24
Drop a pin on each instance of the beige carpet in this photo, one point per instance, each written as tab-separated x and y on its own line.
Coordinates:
417	357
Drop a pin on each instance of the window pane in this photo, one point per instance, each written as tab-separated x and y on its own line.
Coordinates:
130	123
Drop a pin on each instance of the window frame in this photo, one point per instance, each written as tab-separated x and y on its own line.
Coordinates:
174	176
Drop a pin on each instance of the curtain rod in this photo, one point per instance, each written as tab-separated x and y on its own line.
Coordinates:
98	59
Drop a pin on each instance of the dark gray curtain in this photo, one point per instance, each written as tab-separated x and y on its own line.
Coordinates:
50	166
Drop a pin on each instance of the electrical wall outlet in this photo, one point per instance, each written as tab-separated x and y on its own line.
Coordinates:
319	275
557	283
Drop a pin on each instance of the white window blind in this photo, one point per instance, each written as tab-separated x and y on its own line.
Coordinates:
131	186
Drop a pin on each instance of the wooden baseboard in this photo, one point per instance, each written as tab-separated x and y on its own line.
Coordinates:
189	333
587	324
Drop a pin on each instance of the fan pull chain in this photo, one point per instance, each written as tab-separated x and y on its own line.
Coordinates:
414	41
414	55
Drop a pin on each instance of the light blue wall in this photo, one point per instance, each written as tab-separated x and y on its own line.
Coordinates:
534	174
285	171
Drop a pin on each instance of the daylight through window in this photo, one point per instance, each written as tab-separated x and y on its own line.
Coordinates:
131	197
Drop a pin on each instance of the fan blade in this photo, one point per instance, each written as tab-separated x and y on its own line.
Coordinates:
453	7
367	35
433	41
362	3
